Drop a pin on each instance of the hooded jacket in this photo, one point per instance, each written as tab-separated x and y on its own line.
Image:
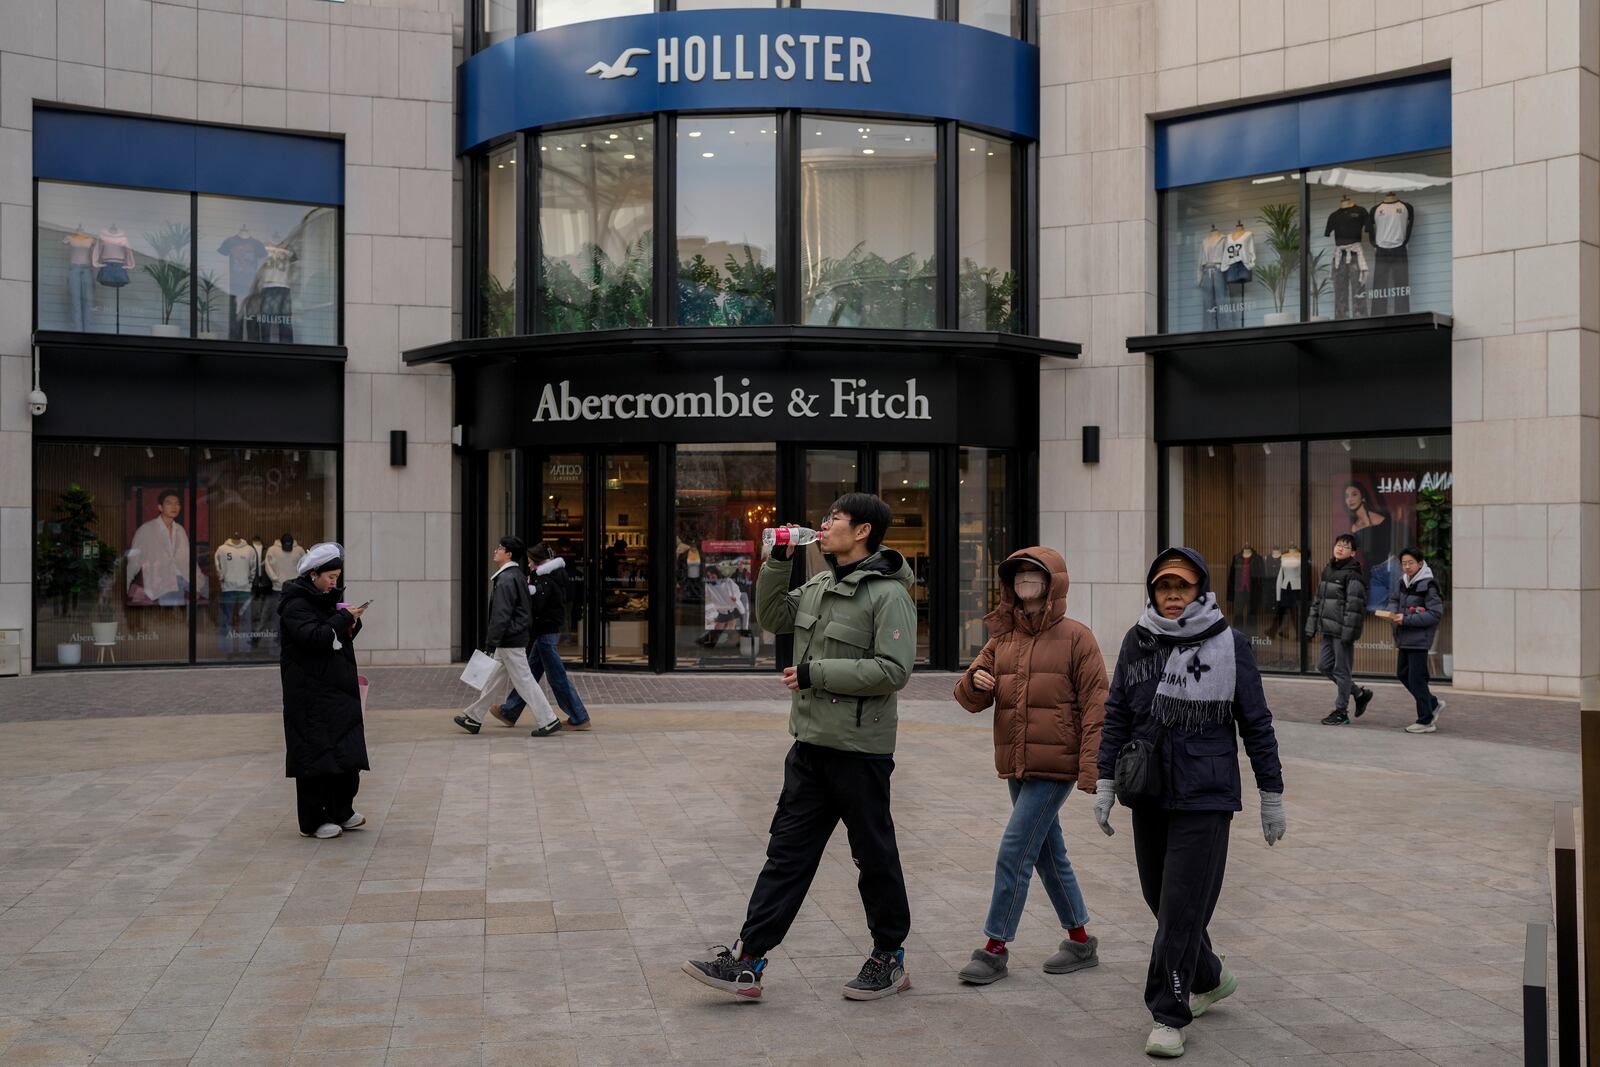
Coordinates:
1339	607
1200	769
1421	609
510	610
322	728
547	587
854	642
1050	681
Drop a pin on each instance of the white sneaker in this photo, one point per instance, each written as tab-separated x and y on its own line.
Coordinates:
325	831
1165	1042
1424	727
356	819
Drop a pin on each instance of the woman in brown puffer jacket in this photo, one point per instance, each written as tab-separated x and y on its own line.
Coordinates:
1046	679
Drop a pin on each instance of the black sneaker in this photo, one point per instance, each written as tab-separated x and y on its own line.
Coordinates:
467	724
546	731
883	975
1363	698
728	973
1337	718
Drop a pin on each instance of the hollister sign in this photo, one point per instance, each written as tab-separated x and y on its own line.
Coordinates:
741	57
845	398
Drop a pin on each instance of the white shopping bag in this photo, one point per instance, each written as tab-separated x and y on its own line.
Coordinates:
479	669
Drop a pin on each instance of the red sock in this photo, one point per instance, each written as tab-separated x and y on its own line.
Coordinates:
1080	934
995	947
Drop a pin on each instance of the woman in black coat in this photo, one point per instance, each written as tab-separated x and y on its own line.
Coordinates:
322	731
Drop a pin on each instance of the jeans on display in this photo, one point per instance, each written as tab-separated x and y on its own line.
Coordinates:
1181	856
274	319
1213	294
545	658
80	295
233	622
1347	270
1382	580
1412	670
1032	841
1334	660
511	671
1391	282
325	798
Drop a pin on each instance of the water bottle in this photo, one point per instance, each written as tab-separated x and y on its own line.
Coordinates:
787	535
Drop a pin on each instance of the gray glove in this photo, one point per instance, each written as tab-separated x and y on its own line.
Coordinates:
1273	822
1105	795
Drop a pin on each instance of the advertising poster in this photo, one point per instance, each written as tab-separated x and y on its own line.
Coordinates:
164	525
1379	510
725	570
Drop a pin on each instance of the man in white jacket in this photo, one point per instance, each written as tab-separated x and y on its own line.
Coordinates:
158	558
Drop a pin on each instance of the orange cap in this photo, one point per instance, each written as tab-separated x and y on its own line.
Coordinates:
1179	566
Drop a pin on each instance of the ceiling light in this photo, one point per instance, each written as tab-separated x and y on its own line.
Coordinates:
905	481
763	131
295	458
991	153
502	166
1345	445
971	148
560	149
97	452
861	129
544	148
868	151
208	453
512	162
149	453
732	132
627	155
1266	181
611	137
1422	443
1267	449
708	155
863	137
1211	451
694	133
819	133
908	138
583	146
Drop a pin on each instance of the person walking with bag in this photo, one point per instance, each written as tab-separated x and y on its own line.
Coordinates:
1044	675
325	744
1416	611
510	626
1184	683
1337	613
548	590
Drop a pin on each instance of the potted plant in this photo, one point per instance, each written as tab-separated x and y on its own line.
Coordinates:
170	272
73	562
207	295
1320	280
1282	223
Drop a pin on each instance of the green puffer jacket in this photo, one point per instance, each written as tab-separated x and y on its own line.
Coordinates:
855	639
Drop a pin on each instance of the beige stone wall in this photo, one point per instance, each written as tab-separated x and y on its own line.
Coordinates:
1526	202
378	72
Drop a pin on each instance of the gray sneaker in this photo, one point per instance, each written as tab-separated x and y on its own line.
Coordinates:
986	967
1074	956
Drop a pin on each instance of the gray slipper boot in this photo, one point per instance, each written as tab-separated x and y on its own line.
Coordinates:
985	967
1074	956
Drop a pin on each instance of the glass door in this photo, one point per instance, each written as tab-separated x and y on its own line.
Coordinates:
724	495
625	559
564	525
905	478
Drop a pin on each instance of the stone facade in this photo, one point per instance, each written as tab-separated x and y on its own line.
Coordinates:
1526	262
381	73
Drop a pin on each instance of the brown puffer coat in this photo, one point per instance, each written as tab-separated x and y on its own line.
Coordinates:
1050	683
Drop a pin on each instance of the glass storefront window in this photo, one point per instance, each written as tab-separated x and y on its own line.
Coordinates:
1233	254
563	525
1380	237
595	219
988	271
498	290
904	482
706	5
867	224
830	474
267	272
550	13
499	21
112	260
727	220
927	9
725	495
500	499
985	540
999	16
625	560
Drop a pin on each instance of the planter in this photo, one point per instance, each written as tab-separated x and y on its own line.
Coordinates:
165	331
69	654
105	633
1277	318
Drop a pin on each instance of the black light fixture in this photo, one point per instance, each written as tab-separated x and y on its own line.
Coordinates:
1091	444
397	448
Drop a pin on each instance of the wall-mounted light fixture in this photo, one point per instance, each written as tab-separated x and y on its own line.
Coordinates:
397	448
1091	444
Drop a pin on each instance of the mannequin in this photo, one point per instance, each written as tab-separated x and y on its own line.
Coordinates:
1286	593
1238	266
1213	290
113	262
1392	222
1245	586
236	562
275	313
245	254
1346	225
283	561
80	276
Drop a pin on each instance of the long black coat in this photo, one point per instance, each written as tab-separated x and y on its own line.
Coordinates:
322	729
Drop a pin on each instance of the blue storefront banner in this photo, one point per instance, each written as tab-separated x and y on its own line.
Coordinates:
751	60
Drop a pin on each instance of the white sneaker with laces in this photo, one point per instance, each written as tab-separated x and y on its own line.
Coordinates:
356	819
1165	1042
325	831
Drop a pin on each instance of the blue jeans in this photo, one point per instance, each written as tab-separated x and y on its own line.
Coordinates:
1033	841
545	658
1381	582
80	296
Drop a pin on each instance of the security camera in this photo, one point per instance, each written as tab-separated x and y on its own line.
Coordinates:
38	403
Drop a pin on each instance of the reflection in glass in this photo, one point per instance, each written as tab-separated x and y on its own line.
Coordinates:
999	16
867	224
988	274
985	540
928	9
625	560
499	21
1380	237
549	13
498	290
830	474
112	260
564	526
904	483
727	220
268	271
595	228
1233	254
725	496
266	507
500	499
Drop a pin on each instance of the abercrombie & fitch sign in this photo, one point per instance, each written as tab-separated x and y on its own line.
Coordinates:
844	398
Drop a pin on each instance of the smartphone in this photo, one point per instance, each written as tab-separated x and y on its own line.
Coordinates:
365	606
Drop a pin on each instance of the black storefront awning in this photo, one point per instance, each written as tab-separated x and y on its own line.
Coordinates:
1311	379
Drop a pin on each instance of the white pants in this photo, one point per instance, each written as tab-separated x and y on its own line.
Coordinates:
511	670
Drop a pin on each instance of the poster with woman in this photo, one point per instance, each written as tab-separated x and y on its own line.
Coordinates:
159	548
1379	510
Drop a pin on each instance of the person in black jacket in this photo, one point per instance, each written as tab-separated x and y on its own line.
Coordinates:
1187	683
549	589
1416	609
1337	613
510	627
325	746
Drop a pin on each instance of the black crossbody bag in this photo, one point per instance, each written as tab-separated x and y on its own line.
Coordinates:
1140	780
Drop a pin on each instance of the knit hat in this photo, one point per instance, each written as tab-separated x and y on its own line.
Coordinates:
325	556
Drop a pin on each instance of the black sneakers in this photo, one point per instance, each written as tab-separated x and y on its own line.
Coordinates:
1363	698
728	973
467	724
546	731
883	975
1336	718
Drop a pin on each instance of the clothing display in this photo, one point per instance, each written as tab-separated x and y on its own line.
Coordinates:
274	272
237	563
283	561
80	274
1286	592
1349	281
1392	221
273	319
1347	223
1213	289
1246	588
1390	291
1239	256
245	254
112	258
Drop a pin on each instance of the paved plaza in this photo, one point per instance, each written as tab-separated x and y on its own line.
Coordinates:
517	901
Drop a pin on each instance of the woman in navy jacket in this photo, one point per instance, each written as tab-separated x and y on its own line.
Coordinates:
1188	682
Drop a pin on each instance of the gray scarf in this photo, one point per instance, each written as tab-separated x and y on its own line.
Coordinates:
1197	682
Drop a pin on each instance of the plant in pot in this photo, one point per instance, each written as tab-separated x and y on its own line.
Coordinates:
1282	223
170	272
208	294
1320	279
73	563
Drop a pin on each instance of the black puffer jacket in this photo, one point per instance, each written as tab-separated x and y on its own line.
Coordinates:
322	729
510	610
548	586
1340	606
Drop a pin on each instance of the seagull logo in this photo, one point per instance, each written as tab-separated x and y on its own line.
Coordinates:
622	68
